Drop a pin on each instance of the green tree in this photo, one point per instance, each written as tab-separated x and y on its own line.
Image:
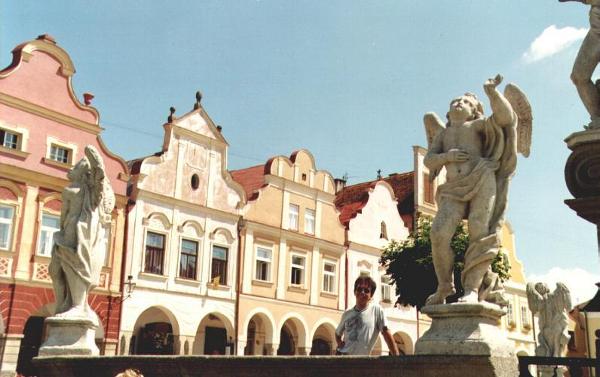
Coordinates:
410	265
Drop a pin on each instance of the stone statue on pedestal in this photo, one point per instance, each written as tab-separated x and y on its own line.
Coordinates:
480	157
552	309
78	254
585	65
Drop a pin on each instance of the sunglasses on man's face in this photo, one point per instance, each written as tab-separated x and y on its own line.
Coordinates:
363	290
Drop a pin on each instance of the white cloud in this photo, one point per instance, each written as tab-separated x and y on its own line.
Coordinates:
580	282
552	41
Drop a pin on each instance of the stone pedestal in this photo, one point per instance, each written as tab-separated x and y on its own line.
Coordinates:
69	336
468	329
548	371
582	175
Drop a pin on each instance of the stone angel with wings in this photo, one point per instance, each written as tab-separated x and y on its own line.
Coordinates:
479	155
552	309
80	245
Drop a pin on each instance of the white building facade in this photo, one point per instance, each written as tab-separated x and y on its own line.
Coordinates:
182	244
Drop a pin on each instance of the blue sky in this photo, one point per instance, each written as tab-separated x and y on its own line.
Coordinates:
348	80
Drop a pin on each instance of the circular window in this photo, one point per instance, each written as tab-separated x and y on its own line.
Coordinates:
195	181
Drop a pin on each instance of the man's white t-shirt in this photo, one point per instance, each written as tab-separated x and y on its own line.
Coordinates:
361	329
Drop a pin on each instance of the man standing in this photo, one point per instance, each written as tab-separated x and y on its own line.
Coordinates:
360	326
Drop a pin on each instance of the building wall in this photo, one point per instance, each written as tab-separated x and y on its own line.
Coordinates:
183	193
39	107
266	300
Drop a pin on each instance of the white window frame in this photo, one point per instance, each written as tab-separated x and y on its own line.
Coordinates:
328	275
72	148
386	289
510	315
525	319
22	136
165	251
294	217
10	223
227	262
302	269
47	249
259	259
197	242
310	216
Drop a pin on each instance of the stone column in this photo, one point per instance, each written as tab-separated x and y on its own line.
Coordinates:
304	351
582	175
271	348
9	352
241	344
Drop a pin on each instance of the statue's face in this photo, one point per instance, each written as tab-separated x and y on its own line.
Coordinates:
462	109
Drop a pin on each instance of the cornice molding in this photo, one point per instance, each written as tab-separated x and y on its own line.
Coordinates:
294	236
142	195
43	112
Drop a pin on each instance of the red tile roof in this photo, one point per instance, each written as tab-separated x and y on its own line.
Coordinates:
351	199
252	179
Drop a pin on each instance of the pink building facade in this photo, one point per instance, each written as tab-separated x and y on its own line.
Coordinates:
44	129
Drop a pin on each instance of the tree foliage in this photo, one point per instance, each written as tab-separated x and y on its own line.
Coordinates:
410	265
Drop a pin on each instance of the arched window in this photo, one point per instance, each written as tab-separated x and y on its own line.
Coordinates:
383	233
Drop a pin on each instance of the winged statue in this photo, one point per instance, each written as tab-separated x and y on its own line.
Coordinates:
552	309
479	155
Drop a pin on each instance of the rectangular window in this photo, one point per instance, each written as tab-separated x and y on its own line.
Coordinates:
329	277
50	225
188	259
263	264
294	210
309	221
297	276
6	219
428	196
510	315
155	253
386	289
9	139
219	264
60	154
525	317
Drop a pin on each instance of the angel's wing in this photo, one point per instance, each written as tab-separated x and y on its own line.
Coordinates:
102	193
521	106
433	126
562	297
533	297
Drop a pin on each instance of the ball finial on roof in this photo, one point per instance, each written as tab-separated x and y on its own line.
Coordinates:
172	116
198	99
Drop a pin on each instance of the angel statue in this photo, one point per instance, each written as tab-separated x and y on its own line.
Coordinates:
80	246
552	309
480	156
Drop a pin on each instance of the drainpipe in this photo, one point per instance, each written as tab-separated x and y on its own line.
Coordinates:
128	207
241	228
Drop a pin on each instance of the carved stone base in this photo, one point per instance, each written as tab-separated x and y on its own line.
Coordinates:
69	336
465	329
548	371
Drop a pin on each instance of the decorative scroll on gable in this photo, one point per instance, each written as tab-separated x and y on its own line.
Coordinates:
301	168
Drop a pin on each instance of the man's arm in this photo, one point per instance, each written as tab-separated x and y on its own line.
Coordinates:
340	342
503	112
435	158
389	340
